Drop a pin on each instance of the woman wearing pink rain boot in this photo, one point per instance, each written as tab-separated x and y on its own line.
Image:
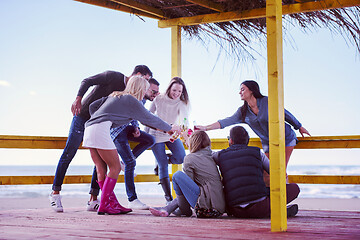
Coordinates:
116	110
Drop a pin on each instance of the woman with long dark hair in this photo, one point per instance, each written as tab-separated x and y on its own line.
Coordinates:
255	113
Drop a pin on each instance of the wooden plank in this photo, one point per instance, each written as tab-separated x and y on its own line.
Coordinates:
324	179
115	6
70	179
176	72
257	13
32	218
141	7
176	51
321	142
76	179
208	4
276	116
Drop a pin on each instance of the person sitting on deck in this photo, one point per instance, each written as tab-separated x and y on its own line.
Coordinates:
199	186
242	167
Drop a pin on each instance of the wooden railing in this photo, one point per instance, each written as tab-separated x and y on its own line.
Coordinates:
40	142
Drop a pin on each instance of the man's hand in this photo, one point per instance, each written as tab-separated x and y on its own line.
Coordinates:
136	132
76	106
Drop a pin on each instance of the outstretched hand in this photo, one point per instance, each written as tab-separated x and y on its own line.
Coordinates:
76	106
199	127
136	133
303	131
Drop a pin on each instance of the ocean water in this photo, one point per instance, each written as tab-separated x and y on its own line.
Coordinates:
154	190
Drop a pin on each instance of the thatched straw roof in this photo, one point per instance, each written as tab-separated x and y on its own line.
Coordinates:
237	37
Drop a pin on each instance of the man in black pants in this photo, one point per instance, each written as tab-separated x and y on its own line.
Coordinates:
242	168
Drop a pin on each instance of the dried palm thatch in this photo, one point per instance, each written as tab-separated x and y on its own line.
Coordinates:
236	38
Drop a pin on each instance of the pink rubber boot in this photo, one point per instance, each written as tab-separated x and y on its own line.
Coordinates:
105	206
114	203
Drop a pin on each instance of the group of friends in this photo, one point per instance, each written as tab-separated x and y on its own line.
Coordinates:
108	118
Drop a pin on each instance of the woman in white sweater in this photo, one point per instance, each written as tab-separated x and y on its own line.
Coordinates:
173	108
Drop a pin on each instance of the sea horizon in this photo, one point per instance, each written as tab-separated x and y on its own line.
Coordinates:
153	189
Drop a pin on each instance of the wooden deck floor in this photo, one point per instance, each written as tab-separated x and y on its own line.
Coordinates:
76	223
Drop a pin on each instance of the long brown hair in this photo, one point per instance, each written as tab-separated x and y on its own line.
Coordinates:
198	141
184	95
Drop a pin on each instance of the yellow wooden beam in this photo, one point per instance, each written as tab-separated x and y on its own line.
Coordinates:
324	179
175	72
208	4
321	142
176	51
70	179
118	7
141	7
79	179
257	13
276	116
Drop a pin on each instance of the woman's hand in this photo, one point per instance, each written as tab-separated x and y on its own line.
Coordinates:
185	136
303	131
76	106
199	127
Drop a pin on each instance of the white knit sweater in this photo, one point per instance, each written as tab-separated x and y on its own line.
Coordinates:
169	110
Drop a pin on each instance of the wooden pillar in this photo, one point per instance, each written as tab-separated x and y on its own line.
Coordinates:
175	72
176	51
276	116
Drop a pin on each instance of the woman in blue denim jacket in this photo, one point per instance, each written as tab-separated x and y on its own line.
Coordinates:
254	112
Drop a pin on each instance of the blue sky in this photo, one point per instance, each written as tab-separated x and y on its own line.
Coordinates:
47	47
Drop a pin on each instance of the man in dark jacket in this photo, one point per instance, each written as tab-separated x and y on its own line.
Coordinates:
242	169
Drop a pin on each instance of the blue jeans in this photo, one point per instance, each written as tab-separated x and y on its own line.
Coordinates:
129	156
177	157
184	185
76	134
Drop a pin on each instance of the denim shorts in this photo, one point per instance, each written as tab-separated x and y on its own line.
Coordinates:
291	144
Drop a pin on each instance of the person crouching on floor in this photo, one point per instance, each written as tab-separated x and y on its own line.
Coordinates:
242	168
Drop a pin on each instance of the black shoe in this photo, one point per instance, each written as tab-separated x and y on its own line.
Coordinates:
292	210
169	156
156	170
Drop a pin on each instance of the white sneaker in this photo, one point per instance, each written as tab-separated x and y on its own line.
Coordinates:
136	204
92	206
55	201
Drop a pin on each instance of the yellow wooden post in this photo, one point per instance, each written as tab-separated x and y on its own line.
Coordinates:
176	51
276	116
175	70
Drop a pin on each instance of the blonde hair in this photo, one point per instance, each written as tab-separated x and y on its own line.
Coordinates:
136	87
198	141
